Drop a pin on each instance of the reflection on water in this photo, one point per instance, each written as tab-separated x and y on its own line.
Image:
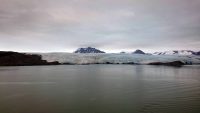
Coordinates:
100	89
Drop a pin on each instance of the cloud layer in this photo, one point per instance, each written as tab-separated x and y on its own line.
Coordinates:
111	25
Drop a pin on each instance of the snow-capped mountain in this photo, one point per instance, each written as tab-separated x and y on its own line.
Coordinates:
177	52
138	52
88	50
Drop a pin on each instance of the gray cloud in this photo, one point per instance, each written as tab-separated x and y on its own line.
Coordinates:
112	25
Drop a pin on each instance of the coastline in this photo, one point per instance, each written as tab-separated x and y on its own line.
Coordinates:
8	58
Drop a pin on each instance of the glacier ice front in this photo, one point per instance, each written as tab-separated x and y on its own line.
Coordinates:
73	58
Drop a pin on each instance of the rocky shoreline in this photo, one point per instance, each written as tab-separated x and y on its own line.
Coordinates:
174	63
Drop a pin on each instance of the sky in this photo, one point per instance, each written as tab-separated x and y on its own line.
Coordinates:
109	25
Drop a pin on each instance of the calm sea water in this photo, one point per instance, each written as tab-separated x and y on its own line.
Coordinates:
100	89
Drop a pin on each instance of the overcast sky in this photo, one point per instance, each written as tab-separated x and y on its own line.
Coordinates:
110	25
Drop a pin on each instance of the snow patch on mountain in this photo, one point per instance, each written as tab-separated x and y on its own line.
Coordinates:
177	52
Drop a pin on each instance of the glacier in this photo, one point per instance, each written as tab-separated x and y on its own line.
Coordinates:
116	58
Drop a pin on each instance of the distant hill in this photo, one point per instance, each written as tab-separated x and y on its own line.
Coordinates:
196	53
88	50
135	52
123	52
138	52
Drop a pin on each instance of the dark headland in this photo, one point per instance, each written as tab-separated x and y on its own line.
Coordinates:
8	58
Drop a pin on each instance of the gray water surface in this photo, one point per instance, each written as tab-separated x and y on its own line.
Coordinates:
100	89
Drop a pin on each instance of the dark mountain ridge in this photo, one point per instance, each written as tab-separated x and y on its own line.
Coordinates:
88	50
138	52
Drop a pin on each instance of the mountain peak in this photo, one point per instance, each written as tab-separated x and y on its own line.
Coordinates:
138	52
88	50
